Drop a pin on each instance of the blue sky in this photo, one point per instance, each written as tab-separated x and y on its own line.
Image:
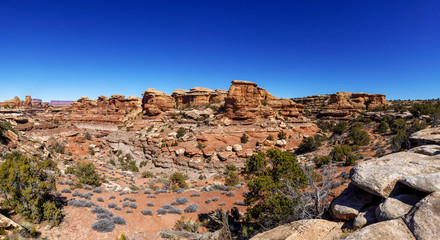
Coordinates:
72	48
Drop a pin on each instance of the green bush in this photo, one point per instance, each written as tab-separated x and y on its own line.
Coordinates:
340	128
339	153
400	140
382	127
231	175
181	132
268	176
282	135
310	144
324	160
27	185
359	136
147	174
87	136
86	173
325	126
244	138
178	179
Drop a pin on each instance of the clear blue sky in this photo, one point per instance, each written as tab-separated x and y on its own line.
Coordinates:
65	49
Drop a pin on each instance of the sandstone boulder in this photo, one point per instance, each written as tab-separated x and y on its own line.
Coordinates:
366	217
396	207
429	150
379	176
426	137
351	201
390	230
311	229
429	182
424	218
156	102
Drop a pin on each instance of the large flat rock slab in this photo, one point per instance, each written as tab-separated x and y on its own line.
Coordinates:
390	230
310	229
429	182
379	176
429	150
350	203
426	136
396	207
424	218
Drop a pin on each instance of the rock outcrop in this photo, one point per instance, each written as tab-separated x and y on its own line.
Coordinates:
424	218
304	229
390	230
425	137
247	101
155	102
342	104
198	97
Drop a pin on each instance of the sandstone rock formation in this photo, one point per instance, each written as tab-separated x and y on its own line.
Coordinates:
396	207
155	102
390	230
247	101
198	97
304	229
342	104
350	203
425	137
424	218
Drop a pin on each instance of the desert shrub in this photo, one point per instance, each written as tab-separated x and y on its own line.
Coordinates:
324	160
231	175
129	211
325	126
180	201
112	205
60	183
188	225
66	190
400	140
178	179
87	136
230	194
382	127
100	199
340	128
77	193
270	138
151	196
147	192
86	173
80	203
359	136
167	206
246	193
97	190
102	215
57	194
132	199
282	135
174	211
398	124
87	187
126	199
112	197
161	211
240	203
58	148
150	204
215	199
147	174
125	204
147	212
133	205
69	182
195	195
192	208
181	132
101	210
103	225
118	208
160	191
222	204
244	138
208	201
123	193
26	185
119	220
339	153
270	176
309	144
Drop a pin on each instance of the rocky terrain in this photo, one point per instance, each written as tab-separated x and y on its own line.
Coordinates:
199	132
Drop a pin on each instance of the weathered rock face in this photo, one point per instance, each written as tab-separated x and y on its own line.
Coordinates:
396	207
426	136
390	230
198	97
155	102
366	217
247	101
116	108
379	176
342	104
304	229
350	203
423	220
